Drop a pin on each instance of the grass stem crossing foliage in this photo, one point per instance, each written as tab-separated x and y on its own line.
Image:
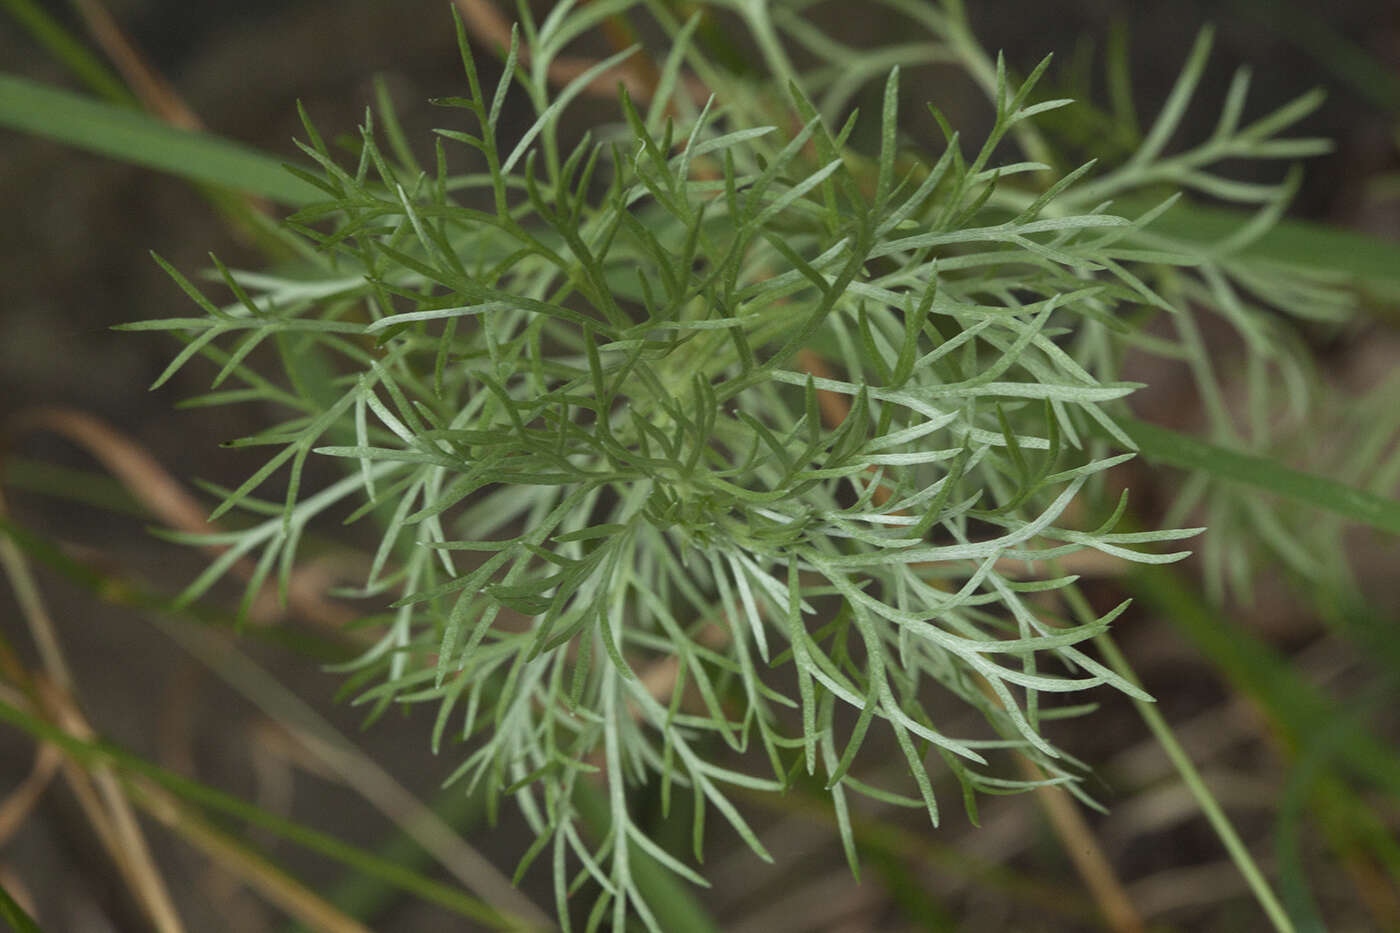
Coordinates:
708	432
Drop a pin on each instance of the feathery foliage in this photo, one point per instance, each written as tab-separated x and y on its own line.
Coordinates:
705	431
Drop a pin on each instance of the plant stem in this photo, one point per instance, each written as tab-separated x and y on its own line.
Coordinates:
1166	738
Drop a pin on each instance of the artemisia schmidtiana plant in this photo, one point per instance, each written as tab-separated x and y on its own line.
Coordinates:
573	388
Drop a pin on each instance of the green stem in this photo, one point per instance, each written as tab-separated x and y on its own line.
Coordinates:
1166	738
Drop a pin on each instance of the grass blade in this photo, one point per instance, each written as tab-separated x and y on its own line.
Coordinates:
99	751
15	915
140	139
65	48
1370	260
1172	448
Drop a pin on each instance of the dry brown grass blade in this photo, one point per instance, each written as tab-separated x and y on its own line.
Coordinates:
1082	846
360	772
153	486
98	794
232	856
144	477
103	798
79	780
1079	842
126	460
156	489
107	808
122	833
17	889
154	92
23	799
275	885
31	606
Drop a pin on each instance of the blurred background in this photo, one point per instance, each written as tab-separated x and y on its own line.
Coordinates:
74	261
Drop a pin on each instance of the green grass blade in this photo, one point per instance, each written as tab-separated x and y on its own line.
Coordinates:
116	590
1171	448
140	139
1349	62
61	44
15	916
99	751
1369	259
82	486
1239	852
1297	707
365	896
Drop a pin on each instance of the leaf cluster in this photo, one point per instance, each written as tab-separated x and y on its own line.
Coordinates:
706	430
